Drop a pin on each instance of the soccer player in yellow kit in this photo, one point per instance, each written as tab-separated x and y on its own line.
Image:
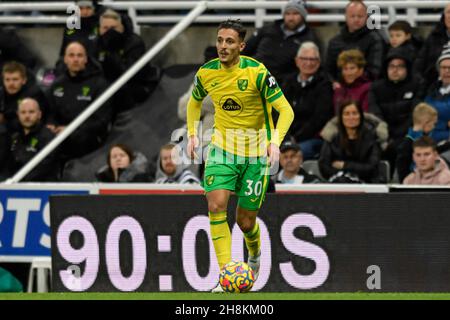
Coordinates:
243	92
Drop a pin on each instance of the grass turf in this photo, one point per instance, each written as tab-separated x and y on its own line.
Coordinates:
210	296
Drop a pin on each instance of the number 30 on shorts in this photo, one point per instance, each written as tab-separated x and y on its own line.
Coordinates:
256	190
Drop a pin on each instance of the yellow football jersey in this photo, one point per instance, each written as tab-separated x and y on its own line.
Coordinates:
243	97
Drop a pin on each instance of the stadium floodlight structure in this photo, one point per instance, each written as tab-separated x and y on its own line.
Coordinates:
177	29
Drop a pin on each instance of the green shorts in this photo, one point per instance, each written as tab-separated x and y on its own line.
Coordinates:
248	177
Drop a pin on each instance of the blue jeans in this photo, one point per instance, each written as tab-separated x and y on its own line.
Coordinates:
311	148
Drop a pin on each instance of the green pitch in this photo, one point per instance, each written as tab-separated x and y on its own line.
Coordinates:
210	296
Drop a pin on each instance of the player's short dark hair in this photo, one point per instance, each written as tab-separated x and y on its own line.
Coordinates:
14	66
401	25
235	25
425	142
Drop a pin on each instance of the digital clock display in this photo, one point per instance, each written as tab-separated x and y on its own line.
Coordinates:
150	243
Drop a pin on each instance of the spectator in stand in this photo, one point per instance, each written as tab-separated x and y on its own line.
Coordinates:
88	32
425	64
401	36
356	35
438	97
354	84
430	168
118	49
394	97
13	49
310	94
276	44
15	88
70	94
124	165
170	168
291	160
353	153
424	121
29	141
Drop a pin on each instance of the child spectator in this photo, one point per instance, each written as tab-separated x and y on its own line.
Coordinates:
424	120
401	36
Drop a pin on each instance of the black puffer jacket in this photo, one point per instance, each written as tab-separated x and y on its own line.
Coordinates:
425	64
394	101
118	52
25	147
363	162
370	42
277	52
312	105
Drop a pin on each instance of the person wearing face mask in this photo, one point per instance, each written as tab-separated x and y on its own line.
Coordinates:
88	32
118	48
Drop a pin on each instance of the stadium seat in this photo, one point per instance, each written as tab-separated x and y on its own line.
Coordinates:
41	268
312	167
384	169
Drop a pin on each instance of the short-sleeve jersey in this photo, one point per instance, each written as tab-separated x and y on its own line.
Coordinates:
243	96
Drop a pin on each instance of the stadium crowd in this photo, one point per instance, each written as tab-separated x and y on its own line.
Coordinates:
372	106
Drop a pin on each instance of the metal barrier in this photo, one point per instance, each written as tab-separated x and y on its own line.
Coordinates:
137	10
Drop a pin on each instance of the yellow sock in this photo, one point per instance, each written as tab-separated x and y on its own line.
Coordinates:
221	237
253	240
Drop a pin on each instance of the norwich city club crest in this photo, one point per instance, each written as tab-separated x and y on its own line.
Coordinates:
209	180
242	84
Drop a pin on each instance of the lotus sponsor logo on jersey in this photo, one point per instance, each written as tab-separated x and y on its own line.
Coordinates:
231	105
242	84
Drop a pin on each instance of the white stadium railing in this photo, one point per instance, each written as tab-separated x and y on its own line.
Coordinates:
13	11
